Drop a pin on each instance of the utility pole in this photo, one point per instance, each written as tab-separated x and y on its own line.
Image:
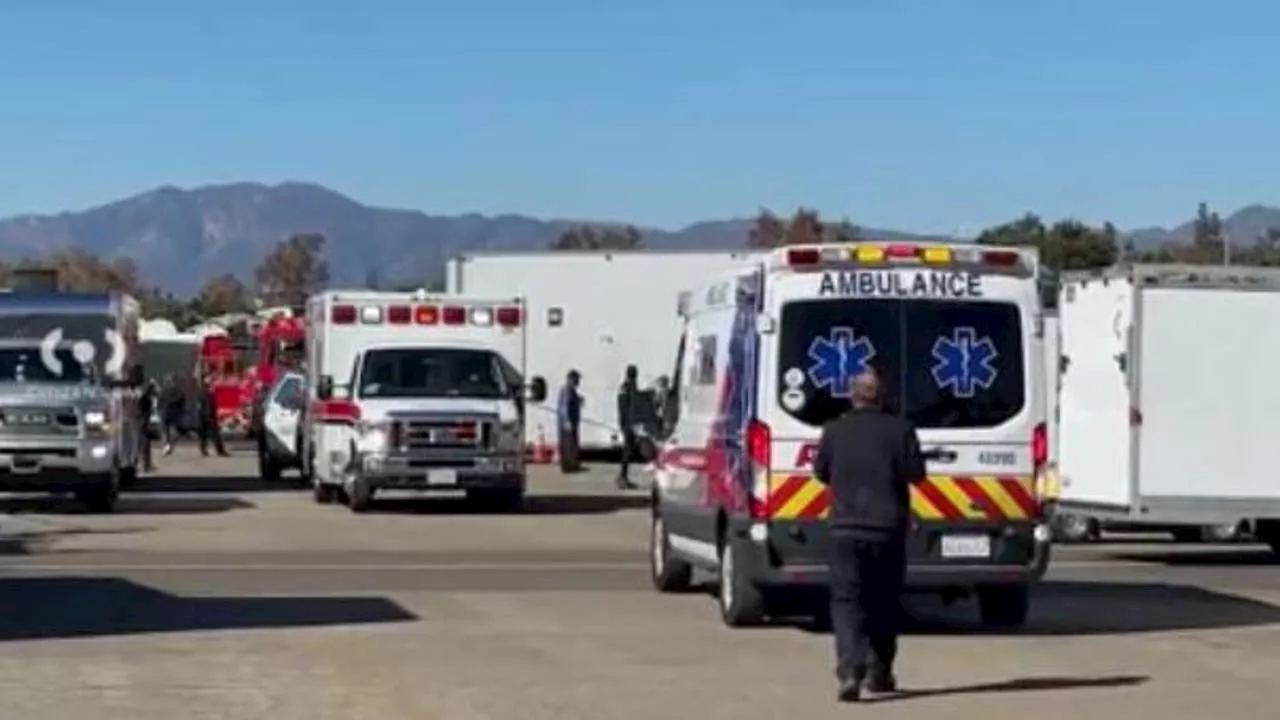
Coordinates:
1226	246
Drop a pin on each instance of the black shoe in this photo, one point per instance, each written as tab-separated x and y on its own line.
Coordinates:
882	683
625	484
850	690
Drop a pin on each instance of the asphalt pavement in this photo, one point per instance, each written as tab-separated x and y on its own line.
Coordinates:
213	595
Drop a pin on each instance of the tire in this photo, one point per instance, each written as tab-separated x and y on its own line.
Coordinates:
359	494
1228	533
323	494
669	574
128	477
101	496
741	600
1004	607
268	466
1076	529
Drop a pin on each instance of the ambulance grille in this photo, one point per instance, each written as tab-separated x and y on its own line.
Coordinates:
452	433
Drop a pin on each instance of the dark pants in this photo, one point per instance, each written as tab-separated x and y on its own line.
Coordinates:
867	575
210	432
144	445
630	453
569	446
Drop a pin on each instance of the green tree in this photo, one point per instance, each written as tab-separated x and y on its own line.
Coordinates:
293	270
221	295
1067	245
587	237
805	227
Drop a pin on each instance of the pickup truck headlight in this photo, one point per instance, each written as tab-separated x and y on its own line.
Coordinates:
510	437
97	421
372	437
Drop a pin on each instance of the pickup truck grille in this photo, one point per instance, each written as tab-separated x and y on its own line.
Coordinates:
36	420
442	434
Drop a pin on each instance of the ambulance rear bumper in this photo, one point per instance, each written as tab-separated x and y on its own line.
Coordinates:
1020	555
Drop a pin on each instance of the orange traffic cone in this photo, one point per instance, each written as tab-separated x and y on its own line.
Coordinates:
542	452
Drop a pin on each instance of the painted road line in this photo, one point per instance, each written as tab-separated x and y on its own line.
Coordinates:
18	568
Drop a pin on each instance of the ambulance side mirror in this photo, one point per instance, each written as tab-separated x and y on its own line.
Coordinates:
537	389
765	324
324	387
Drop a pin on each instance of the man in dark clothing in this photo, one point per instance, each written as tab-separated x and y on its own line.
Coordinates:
869	458
628	406
568	420
146	404
172	407
208	420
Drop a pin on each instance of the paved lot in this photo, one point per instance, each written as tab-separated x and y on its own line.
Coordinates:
211	596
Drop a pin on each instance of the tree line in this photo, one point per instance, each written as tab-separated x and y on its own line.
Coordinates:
1064	245
289	273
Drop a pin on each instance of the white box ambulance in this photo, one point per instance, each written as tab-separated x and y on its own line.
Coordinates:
413	392
766	358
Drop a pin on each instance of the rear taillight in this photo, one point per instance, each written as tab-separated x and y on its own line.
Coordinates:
759	443
337	411
1039	447
426	315
1001	258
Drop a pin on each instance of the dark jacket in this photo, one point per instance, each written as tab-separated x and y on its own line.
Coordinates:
569	408
870	458
628	407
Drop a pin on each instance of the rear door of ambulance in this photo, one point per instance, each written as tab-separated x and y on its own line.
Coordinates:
955	345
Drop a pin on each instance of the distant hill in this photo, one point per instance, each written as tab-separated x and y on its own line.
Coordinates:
179	237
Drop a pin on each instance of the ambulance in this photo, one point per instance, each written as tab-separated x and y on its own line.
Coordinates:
413	392
765	358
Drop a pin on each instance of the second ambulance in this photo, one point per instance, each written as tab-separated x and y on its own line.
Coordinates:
766	357
412	392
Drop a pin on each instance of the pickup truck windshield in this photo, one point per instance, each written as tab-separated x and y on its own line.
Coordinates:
24	365
432	373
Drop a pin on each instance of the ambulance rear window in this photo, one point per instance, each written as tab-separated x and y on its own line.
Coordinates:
946	364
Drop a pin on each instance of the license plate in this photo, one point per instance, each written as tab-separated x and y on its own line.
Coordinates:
442	478
966	546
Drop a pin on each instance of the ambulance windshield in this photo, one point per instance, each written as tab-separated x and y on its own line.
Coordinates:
945	364
432	373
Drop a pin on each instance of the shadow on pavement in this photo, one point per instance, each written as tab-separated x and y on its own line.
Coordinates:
196	484
34	608
128	504
31	542
567	504
1094	608
1248	555
1030	684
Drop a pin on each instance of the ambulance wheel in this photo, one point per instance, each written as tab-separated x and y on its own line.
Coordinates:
323	494
128	477
268	466
741	600
358	494
497	499
669	574
1004	607
100	497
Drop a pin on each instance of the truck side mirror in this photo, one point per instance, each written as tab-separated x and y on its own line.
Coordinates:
537	390
324	388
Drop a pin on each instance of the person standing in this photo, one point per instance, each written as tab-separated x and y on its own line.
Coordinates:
569	421
628	406
208	419
868	458
146	405
172	406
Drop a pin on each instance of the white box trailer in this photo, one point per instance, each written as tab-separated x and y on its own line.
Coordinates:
1168	394
596	312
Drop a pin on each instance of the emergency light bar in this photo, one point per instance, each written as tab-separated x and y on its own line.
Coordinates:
506	316
900	253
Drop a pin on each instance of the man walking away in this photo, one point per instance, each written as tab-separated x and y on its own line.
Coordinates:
172	407
869	458
208	421
568	420
628	402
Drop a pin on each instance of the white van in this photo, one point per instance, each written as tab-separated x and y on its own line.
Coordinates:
765	359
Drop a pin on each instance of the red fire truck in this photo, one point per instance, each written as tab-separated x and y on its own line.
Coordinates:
245	360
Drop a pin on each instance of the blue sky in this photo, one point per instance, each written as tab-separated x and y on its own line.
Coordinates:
933	116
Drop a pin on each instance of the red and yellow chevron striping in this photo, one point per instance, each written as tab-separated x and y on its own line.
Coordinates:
952	498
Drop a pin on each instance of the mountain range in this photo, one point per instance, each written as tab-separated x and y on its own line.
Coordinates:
180	237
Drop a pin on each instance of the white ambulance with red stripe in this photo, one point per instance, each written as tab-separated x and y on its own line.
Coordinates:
766	358
414	392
